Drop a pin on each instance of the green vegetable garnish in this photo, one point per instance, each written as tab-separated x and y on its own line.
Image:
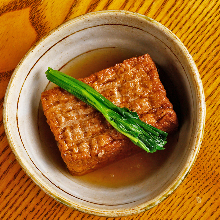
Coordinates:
123	120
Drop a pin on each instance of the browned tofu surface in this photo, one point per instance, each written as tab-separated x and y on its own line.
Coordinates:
86	140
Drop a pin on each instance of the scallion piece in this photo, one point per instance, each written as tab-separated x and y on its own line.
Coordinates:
123	120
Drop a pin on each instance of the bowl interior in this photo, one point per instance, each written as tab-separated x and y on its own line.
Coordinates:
83	46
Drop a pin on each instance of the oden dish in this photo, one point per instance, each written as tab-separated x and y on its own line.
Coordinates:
86	140
120	33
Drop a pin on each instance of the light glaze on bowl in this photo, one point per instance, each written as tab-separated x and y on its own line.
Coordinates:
107	29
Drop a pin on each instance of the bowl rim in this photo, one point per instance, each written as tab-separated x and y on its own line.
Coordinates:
192	156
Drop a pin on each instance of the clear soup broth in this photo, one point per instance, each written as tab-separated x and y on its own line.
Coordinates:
129	170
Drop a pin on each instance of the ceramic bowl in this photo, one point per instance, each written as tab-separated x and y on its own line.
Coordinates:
101	35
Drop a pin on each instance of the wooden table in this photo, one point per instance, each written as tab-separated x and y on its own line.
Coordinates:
195	22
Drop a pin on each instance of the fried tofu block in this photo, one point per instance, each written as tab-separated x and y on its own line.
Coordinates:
85	139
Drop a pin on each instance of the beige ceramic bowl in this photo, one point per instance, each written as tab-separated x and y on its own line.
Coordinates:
120	34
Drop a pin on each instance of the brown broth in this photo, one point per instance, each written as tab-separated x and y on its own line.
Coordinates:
137	167
96	60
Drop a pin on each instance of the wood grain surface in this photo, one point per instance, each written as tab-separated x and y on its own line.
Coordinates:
195	22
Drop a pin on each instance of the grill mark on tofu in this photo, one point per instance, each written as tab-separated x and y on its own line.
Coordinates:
86	140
